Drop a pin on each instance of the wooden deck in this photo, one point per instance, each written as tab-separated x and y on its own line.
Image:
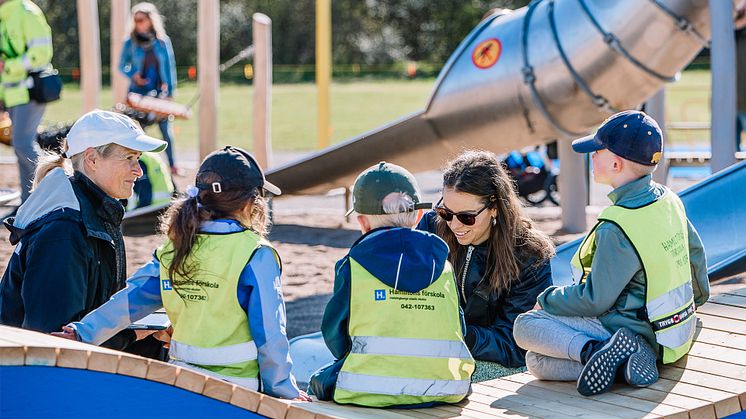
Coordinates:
709	383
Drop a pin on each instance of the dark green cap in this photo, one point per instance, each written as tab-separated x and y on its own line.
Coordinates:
376	182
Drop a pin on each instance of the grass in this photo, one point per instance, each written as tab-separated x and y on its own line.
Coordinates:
356	107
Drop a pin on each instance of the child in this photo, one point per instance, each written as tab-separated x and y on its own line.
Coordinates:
393	323
218	279
639	274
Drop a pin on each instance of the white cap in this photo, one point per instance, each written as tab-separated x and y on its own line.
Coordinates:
97	128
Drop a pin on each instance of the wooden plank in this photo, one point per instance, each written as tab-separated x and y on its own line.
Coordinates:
246	399
720	338
461	410
273	408
162	372
740	292
693	408
41	356
296	412
99	361
218	389
73	358
728	299
719	353
712	366
723	310
192	381
23	337
647	407
558	408
511	402
722	323
133	366
11	353
577	401
725	403
707	380
353	411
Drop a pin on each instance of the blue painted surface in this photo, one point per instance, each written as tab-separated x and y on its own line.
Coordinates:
740	415
717	208
50	392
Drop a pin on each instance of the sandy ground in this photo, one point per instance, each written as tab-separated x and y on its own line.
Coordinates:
311	234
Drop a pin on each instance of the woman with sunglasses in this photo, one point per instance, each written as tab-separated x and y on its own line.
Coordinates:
148	61
500	260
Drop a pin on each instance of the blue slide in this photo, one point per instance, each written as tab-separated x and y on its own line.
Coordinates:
717	208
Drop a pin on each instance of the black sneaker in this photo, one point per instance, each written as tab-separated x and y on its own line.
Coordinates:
599	372
641	369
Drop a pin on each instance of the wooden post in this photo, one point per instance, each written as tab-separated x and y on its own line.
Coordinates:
723	98
90	54
572	187
208	55
656	108
262	35
120	13
323	68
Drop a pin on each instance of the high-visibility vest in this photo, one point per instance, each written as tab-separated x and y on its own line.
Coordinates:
407	348
26	46
159	176
659	234
211	329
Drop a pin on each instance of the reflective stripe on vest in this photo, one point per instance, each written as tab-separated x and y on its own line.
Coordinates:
659	234
250	383
396	386
224	355
35	42
432	348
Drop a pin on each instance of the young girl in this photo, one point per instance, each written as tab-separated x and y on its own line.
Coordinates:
218	279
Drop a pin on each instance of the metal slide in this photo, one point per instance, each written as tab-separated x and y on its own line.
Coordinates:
717	208
552	70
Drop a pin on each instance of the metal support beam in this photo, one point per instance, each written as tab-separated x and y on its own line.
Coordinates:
90	54
572	188
723	99
208	55
262	115
120	13
656	108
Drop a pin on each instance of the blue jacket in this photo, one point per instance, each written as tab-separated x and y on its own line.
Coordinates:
64	262
259	293
379	252
489	316
130	62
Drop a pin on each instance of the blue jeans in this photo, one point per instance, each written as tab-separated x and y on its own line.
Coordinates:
168	136
26	119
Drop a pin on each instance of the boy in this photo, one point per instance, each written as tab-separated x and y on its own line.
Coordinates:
393	323
639	274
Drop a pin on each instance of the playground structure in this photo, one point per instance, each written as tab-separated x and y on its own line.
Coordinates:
467	105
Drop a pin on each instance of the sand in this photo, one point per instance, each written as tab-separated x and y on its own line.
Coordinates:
311	234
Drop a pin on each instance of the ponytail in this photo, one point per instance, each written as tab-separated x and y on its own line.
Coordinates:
181	224
47	162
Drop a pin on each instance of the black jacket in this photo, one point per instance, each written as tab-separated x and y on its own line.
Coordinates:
65	262
489	316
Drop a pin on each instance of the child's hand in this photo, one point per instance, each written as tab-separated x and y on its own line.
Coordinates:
537	306
164	336
66	333
303	397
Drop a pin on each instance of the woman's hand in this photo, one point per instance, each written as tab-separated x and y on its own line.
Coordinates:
165	336
303	397
66	333
139	80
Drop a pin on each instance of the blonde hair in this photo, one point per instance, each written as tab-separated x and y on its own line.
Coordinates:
638	169
397	207
156	20
49	161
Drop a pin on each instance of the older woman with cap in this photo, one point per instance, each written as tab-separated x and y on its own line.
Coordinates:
69	256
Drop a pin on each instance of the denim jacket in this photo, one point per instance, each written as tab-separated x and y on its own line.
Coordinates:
130	62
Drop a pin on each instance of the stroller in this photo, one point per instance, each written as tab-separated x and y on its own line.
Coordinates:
535	180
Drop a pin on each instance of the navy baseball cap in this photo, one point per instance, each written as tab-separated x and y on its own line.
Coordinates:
631	135
236	169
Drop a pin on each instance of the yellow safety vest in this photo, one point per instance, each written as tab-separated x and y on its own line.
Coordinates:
659	234
211	329
26	46
407	348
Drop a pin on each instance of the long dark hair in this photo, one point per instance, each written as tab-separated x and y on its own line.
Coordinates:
182	220
513	239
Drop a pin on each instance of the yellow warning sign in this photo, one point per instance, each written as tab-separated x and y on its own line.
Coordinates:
486	54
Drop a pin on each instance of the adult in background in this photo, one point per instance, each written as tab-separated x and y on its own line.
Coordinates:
148	60
25	46
69	251
501	262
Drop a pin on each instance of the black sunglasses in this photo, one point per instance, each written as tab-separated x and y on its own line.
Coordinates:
465	218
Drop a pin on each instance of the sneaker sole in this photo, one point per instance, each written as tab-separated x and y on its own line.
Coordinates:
599	372
641	369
